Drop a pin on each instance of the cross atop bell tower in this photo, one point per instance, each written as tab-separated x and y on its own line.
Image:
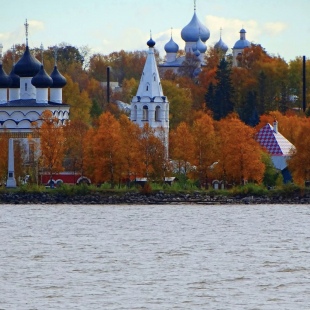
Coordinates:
26	30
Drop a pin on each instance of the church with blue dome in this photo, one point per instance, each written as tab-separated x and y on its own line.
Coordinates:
28	91
195	35
24	95
239	46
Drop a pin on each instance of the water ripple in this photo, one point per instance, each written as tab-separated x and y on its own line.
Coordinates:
154	257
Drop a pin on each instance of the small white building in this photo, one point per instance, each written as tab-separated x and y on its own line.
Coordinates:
277	146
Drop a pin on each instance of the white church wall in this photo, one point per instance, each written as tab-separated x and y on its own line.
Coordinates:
42	95
3	95
56	95
279	162
27	90
14	94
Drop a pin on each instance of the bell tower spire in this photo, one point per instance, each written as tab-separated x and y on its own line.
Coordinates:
150	106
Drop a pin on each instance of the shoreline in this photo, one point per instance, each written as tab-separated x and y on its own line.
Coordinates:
159	198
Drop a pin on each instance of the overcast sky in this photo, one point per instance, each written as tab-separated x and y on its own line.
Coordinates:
282	27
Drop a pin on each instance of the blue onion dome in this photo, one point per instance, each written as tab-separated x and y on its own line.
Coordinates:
197	53
221	46
5	80
14	78
171	47
41	79
202	48
59	81
242	43
150	43
27	66
194	29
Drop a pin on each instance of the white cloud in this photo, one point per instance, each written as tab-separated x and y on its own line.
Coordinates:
35	26
275	28
231	27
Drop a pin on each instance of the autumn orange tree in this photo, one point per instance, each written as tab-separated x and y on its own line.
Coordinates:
75	132
290	125
130	150
4	149
52	143
239	153
89	162
152	152
299	163
108	158
182	148
205	151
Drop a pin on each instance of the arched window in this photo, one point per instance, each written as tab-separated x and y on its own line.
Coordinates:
238	59
135	113
157	114
145	113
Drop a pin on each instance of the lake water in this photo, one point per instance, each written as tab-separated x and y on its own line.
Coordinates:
155	257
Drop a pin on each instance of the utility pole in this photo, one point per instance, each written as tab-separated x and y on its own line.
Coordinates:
304	83
108	84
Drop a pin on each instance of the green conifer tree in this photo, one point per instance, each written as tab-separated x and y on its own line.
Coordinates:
220	102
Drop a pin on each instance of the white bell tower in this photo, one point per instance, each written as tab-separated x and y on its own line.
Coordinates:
150	105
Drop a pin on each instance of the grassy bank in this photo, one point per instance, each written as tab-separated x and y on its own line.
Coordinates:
255	190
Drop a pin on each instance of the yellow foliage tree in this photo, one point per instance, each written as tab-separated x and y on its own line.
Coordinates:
180	103
79	102
129	89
